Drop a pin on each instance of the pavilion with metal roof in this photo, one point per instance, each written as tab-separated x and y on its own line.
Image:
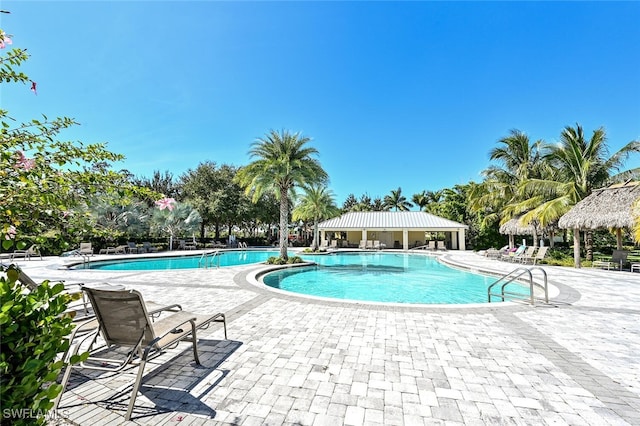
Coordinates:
393	229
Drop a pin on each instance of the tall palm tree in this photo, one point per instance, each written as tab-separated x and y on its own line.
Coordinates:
397	201
316	203
517	160
580	166
282	161
420	199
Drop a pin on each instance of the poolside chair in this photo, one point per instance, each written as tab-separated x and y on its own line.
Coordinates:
26	254
540	254
191	245
108	250
121	249
431	245
527	256
85	249
442	245
378	245
124	322
363	244
635	267
617	261
148	248
369	245
132	247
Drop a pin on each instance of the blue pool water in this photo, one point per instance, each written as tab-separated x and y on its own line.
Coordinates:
226	258
374	277
400	278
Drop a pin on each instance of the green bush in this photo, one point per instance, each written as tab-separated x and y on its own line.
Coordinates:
34	330
280	261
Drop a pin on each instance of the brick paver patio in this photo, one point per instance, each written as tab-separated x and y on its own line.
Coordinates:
292	360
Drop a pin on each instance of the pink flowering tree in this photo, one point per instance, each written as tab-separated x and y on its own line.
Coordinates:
174	219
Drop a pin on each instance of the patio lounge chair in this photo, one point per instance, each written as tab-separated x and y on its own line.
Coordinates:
148	248
132	247
124	321
442	245
526	255
617	261
431	245
121	249
85	249
26	254
369	245
635	267
108	250
363	244
540	254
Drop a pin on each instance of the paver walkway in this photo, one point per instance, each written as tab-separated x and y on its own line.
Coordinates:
291	360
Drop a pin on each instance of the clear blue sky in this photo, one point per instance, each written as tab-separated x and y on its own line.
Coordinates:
410	95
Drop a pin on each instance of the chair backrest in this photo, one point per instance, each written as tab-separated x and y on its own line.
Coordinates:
122	316
542	252
442	245
27	280
619	256
131	244
530	251
85	247
432	244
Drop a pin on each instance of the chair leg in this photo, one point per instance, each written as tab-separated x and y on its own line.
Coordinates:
136	385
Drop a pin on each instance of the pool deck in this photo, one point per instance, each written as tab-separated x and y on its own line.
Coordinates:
292	360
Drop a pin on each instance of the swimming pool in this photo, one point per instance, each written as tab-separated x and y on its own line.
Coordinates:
381	277
223	258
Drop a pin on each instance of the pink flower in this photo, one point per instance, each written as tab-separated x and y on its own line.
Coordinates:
65	213
4	41
11	233
33	87
166	203
24	162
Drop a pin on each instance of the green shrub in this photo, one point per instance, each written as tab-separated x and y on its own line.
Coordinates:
34	332
280	261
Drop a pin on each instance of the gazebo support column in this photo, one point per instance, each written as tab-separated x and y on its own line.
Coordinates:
576	247
619	238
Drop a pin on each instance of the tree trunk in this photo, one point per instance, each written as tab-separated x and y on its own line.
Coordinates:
284	223
576	247
314	245
589	244
202	230
619	239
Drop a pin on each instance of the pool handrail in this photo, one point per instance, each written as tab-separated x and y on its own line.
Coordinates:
512	276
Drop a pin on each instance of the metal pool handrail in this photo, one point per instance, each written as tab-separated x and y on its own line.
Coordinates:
514	275
206	262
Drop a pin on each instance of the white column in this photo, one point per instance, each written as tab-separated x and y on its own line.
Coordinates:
461	244
364	234
405	239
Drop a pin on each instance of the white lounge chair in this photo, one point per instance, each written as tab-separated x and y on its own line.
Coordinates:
26	254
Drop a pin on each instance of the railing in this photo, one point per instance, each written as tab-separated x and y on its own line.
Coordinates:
207	260
513	276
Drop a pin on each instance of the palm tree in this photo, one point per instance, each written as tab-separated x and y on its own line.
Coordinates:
316	203
397	201
580	166
177	221
420	199
283	161
518	160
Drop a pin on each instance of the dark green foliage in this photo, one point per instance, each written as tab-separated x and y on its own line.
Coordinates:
34	332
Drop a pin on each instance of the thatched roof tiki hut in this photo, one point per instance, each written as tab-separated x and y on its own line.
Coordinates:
611	208
515	227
